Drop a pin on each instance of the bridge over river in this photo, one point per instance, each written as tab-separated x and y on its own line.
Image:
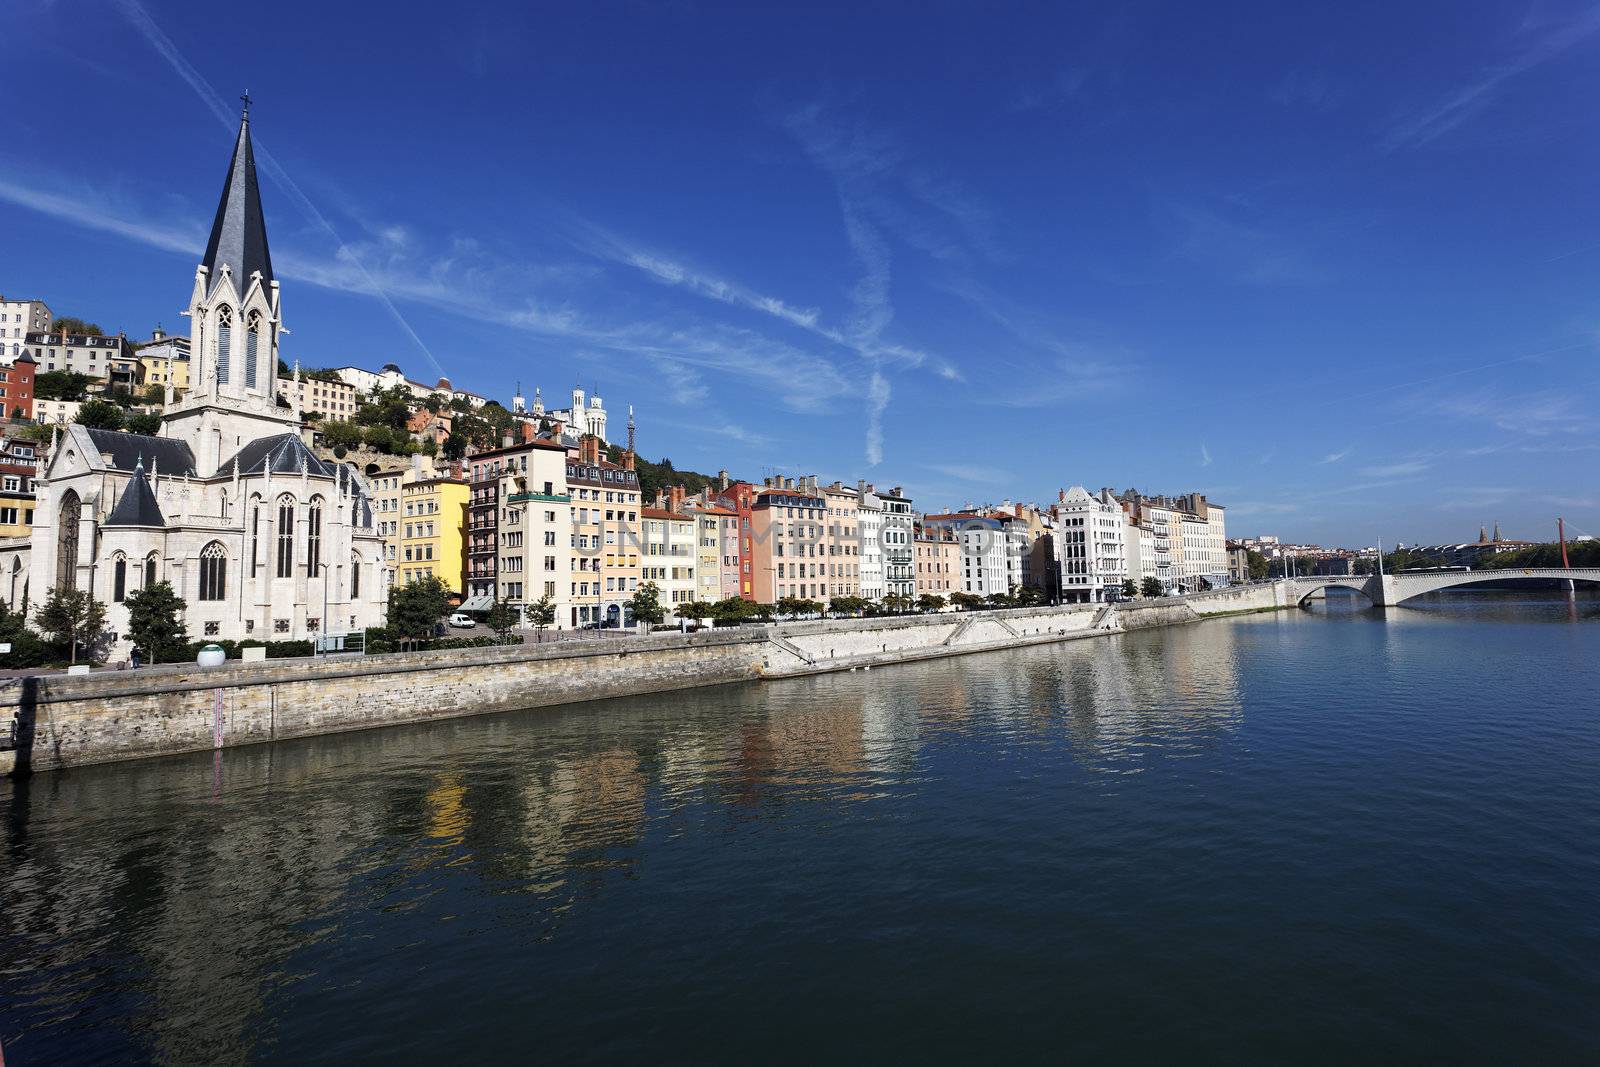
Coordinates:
1393	589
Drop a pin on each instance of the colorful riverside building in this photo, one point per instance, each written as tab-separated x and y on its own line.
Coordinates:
938	561
668	541
740	498
604	536
432	540
842	539
787	524
518	526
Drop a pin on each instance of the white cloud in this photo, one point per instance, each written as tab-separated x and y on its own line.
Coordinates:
1205	455
1335	457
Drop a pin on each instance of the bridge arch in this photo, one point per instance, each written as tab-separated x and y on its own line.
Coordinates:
1410	586
1306	588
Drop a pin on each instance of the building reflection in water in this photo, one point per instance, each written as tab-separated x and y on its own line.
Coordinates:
201	907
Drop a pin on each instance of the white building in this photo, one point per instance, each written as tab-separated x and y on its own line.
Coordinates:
991	561
1091	544
256	535
869	530
579	418
19	318
899	562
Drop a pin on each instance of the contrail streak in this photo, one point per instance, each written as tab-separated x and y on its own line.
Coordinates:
213	101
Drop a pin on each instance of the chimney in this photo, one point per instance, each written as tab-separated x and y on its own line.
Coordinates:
506	442
722	479
1061	496
589	450
677	493
627	457
416	465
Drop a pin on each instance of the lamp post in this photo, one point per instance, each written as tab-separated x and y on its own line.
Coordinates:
322	637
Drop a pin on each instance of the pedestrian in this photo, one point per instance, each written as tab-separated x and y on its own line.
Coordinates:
133	657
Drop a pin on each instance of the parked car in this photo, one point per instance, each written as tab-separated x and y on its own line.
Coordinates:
462	621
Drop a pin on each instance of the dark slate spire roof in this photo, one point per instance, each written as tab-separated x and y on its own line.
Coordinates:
239	234
129	451
137	507
283	454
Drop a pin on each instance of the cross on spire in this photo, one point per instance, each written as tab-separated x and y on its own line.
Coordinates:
245	96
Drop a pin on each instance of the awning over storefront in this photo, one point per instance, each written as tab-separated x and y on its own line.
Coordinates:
477	603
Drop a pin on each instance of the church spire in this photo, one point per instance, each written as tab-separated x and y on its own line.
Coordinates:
239	233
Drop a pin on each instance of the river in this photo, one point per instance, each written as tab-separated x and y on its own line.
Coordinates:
1310	836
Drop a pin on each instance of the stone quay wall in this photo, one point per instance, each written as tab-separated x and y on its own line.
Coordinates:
72	720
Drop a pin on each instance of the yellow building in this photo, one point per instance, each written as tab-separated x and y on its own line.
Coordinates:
432	522
155	369
16	512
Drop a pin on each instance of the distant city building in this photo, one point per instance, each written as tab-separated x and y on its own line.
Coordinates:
164	361
334	401
18	319
87	354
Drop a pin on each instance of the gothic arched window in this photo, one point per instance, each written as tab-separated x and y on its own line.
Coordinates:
255	535
213	572
119	577
355	578
16	572
150	570
252	348
67	540
224	342
286	536
314	536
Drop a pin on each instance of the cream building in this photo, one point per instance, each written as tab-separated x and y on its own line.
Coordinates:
1091	544
669	554
335	401
255	533
842	540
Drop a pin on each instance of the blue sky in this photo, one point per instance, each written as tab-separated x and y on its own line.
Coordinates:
1337	267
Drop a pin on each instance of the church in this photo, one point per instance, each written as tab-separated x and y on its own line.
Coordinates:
260	538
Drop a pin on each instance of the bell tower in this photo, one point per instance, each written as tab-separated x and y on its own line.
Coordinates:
234	326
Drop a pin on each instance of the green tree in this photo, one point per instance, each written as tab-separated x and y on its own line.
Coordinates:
764	612
1150	587
502	620
542	613
76	326
847	605
1002	600
147	423
1257	564
155	622
73	618
415	608
1027	596
1129	589
696	610
61	385
646	604
153	395
930	602
27	648
99	415
731	609
341	435
966	601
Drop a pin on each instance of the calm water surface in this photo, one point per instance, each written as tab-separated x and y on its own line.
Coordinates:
1310	836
